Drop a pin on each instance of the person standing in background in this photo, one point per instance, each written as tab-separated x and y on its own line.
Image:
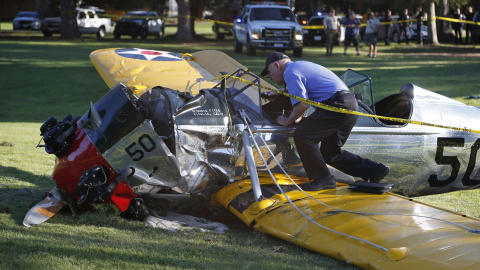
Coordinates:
330	25
352	26
371	34
405	22
419	16
469	27
388	20
457	26
364	23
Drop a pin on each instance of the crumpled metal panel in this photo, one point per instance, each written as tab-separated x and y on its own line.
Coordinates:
204	138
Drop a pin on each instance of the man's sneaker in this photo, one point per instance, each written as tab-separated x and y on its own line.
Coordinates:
319	184
382	171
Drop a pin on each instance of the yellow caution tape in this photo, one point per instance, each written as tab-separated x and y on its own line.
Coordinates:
341	110
457	20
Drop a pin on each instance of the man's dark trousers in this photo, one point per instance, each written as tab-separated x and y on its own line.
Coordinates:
332	130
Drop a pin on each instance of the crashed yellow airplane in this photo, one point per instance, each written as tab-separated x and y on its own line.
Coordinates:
179	125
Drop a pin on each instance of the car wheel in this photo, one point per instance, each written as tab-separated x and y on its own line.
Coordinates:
161	33
251	51
101	32
395	36
237	46
298	52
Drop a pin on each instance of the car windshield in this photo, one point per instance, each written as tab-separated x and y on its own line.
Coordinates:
316	21
27	14
277	14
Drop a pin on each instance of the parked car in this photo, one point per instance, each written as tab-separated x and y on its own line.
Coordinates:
89	20
414	31
27	20
394	31
139	23
315	36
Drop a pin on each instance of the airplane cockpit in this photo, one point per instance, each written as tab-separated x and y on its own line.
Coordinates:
399	105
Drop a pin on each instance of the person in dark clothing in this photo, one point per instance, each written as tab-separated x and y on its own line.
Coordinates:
419	16
405	22
327	128
457	26
388	20
352	26
469	27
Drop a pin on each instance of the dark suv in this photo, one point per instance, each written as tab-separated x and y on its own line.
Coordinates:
139	23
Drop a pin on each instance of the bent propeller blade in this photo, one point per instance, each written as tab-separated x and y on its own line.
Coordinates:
45	209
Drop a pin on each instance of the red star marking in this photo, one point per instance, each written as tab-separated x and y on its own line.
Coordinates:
151	53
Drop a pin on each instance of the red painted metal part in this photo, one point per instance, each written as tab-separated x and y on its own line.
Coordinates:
81	156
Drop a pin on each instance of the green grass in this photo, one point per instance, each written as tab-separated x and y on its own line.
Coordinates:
54	77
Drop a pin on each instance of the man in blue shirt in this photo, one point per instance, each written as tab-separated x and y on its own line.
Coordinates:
317	83
352	26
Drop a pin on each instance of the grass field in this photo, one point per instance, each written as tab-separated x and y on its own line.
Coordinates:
53	77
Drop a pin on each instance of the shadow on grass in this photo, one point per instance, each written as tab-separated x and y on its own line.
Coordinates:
16	200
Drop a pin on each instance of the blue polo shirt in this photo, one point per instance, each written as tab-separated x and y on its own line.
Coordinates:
352	31
311	81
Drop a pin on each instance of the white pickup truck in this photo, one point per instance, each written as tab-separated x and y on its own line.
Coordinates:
267	27
89	21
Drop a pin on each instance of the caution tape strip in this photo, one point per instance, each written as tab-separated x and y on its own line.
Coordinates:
341	110
457	20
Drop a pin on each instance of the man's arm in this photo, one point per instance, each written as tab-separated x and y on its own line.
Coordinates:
298	110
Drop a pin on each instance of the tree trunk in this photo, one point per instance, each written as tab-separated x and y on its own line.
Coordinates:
444	27
68	27
184	27
432	25
39	8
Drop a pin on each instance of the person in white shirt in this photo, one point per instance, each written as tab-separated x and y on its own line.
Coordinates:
371	31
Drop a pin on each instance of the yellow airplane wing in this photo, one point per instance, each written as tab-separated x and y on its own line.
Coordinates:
142	68
371	231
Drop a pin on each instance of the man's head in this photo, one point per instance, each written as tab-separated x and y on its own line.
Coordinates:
352	15
274	67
